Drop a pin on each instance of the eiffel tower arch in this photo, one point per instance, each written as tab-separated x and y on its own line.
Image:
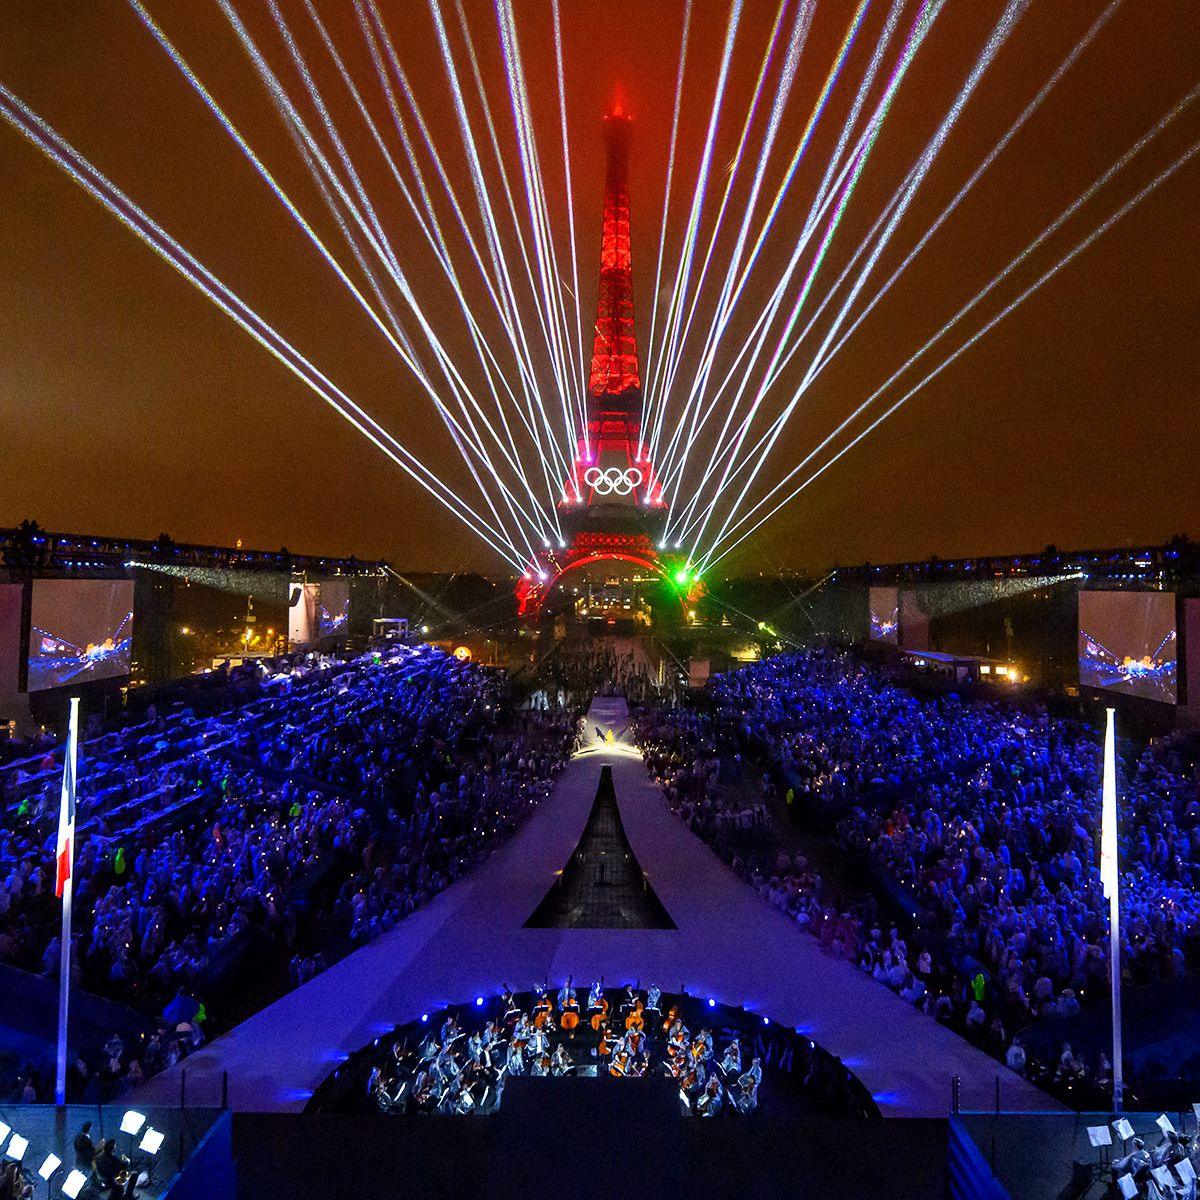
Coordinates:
612	506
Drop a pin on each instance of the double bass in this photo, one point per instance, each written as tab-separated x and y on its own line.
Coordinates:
636	1020
600	1014
569	1019
543	1013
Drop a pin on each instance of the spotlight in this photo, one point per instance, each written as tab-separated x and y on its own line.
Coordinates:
478	1001
424	1018
711	1002
52	1163
766	1020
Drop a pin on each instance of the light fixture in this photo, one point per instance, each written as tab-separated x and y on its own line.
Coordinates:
132	1122
478	1001
73	1184
152	1141
17	1147
52	1163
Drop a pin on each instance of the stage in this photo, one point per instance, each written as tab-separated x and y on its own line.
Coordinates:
473	938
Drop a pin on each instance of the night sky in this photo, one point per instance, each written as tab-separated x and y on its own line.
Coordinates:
131	405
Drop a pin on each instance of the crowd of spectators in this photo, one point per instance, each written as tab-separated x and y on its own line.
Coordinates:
577	669
205	840
982	816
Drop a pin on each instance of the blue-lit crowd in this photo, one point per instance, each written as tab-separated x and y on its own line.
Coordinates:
317	807
982	817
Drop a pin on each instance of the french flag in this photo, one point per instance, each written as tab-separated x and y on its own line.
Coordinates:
66	812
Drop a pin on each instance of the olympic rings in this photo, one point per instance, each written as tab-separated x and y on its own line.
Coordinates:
612	480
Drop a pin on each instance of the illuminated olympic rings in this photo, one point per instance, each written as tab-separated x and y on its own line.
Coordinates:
612	480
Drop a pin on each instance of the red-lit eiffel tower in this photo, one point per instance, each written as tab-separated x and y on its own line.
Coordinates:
612	505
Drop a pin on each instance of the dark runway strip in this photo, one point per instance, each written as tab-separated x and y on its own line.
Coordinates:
602	885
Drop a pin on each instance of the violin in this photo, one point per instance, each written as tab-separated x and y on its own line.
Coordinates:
600	1016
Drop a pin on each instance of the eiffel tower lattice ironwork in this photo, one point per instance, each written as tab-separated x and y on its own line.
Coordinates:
612	505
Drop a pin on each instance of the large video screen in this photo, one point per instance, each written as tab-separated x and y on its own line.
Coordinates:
885	614
1127	643
302	614
79	629
333	608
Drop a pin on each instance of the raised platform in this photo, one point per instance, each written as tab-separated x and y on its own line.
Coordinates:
471	939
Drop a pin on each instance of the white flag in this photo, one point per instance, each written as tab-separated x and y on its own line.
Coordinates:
1108	827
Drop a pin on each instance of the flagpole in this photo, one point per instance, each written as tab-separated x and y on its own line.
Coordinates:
66	823
1111	881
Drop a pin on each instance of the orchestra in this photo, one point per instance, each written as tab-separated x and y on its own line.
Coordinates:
459	1071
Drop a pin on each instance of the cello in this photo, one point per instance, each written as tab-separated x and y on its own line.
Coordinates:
672	1017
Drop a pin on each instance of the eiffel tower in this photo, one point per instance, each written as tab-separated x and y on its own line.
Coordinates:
612	505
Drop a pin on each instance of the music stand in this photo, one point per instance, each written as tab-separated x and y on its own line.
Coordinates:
1100	1138
151	1143
131	1123
47	1169
73	1184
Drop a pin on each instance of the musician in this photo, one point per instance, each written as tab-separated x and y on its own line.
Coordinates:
450	1029
653	996
543	1012
595	995
678	1034
565	993
746	1098
112	1170
704	1040
712	1100
560	1061
509	1005
731	1064
539	1041
629	999
569	1015
755	1070
515	1063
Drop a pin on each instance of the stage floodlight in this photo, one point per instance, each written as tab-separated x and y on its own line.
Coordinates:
17	1147
52	1163
132	1122
152	1140
73	1184
424	1018
478	1001
711	1002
